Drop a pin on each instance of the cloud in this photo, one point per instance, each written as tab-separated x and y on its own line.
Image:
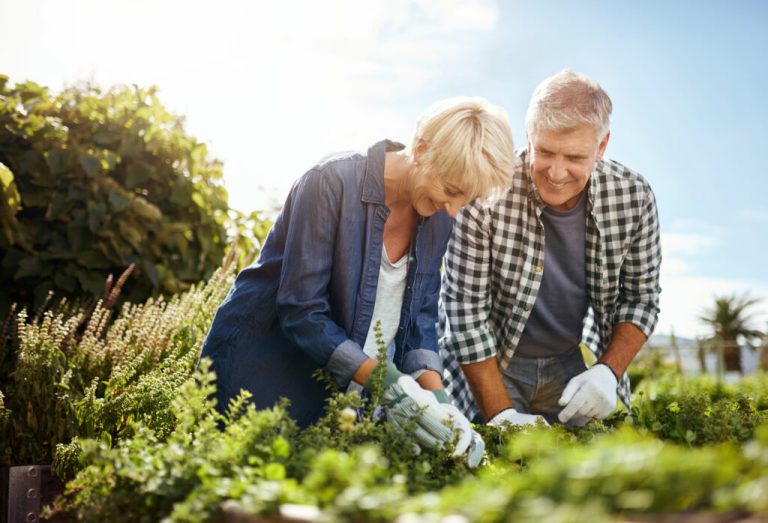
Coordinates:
754	215
681	249
685	294
681	243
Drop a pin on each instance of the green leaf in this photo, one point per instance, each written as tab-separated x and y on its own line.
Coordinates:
145	209
181	192
76	192
91	282
59	208
151	272
96	212
59	161
78	237
92	259
136	176
105	137
29	268
131	233
6	176
198	199
65	281
111	160
90	164
119	200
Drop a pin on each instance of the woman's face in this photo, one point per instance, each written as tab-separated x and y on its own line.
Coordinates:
430	194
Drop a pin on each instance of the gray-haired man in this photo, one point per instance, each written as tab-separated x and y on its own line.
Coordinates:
570	254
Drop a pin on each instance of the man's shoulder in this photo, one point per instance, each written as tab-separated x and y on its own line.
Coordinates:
615	171
615	176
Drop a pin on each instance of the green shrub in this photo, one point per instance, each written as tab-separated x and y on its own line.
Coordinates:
700	410
79	374
94	181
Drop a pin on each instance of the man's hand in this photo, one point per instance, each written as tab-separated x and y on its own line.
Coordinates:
591	394
511	417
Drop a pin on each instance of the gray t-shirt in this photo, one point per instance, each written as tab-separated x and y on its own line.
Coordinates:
556	321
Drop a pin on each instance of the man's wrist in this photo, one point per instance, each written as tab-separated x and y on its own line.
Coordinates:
610	369
505	409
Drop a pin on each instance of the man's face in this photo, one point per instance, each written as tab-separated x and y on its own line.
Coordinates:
561	163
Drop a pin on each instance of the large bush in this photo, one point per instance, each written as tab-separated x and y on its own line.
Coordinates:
93	181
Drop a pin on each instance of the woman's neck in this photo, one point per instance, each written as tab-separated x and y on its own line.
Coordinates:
398	171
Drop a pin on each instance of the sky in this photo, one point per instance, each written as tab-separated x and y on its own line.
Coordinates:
272	87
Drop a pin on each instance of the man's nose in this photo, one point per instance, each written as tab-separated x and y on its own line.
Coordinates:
557	170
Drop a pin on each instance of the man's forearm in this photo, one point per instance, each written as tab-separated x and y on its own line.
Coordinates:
626	342
487	385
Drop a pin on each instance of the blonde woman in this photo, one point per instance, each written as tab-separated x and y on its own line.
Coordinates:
360	241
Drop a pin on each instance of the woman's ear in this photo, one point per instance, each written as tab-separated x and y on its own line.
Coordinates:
418	151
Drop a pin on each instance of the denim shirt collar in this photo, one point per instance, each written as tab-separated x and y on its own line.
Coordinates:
373	179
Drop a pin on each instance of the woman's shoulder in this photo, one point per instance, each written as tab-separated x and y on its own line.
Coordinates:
342	163
337	170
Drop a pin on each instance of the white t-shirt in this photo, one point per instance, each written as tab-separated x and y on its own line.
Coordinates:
389	302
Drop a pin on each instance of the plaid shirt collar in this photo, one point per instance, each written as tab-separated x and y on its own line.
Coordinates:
533	192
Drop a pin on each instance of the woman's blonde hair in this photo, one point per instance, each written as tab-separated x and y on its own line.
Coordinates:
468	142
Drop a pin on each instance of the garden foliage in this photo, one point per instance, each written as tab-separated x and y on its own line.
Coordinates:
128	417
93	181
71	372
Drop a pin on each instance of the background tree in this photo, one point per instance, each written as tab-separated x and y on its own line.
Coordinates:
93	181
730	318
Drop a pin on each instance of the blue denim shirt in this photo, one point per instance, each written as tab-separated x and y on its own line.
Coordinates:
307	302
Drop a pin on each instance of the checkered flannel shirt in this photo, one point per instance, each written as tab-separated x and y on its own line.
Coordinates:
495	259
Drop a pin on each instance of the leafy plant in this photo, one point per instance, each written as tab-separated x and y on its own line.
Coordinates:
94	181
79	374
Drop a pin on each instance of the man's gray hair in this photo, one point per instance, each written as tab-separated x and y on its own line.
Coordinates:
566	101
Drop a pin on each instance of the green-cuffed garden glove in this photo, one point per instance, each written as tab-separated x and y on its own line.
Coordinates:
404	400
470	442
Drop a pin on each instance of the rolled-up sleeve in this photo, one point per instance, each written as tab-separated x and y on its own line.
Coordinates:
303	304
639	285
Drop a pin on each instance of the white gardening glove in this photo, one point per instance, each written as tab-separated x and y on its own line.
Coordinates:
511	417
591	394
470	442
405	401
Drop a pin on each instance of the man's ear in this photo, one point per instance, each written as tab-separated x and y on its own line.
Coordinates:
603	145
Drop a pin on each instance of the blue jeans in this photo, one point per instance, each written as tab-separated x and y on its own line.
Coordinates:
535	384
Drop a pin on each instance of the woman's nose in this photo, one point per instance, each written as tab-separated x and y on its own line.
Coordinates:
453	206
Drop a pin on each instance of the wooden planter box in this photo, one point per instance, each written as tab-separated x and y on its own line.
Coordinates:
25	490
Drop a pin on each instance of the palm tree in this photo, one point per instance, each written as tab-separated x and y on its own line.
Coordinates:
731	318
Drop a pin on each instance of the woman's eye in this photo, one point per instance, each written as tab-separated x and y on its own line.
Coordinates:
449	191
